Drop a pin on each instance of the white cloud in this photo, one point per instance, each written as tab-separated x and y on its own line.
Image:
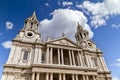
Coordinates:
118	60
100	12
9	25
116	26
65	3
97	21
115	78
64	20
113	6
47	4
117	63
7	44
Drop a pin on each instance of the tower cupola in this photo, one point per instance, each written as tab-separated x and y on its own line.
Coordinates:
81	34
32	23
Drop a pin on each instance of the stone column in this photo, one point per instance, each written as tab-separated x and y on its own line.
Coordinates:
86	57
51	55
90	61
62	57
33	76
36	55
94	78
30	57
73	57
104	63
87	77
40	55
11	55
64	77
19	55
59	76
83	77
80	57
16	54
100	67
47	76
101	78
47	55
58	56
4	76
73	78
51	76
70	58
76	76
37	78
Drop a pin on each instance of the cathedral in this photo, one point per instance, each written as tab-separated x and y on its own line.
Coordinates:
31	58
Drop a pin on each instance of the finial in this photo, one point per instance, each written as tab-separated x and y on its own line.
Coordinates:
48	38
63	34
34	14
80	27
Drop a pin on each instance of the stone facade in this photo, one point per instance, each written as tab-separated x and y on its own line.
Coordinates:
58	59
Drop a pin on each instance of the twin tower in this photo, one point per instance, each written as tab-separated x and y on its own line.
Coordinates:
59	59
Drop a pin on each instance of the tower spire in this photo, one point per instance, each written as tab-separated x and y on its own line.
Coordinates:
34	14
79	27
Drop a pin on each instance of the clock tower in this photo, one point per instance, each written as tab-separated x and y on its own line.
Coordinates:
30	31
25	43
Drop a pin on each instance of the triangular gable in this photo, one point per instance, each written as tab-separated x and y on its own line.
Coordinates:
63	41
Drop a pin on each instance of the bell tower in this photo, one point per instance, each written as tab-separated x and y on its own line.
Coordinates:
83	40
24	43
81	35
32	23
30	31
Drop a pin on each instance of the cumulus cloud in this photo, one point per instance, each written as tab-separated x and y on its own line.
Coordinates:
97	21
100	12
115	78
9	25
65	3
64	20
7	44
116	26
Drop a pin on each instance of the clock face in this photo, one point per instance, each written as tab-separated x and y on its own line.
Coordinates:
29	34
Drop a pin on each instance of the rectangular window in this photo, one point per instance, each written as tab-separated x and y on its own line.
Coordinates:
25	56
95	61
43	58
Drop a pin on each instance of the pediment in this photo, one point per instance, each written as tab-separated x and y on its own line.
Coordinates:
63	41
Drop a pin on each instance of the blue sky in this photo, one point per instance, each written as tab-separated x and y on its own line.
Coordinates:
100	17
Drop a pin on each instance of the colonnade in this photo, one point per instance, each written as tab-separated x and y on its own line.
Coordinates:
75	58
60	55
59	76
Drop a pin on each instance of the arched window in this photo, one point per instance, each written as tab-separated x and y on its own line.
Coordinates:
31	25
